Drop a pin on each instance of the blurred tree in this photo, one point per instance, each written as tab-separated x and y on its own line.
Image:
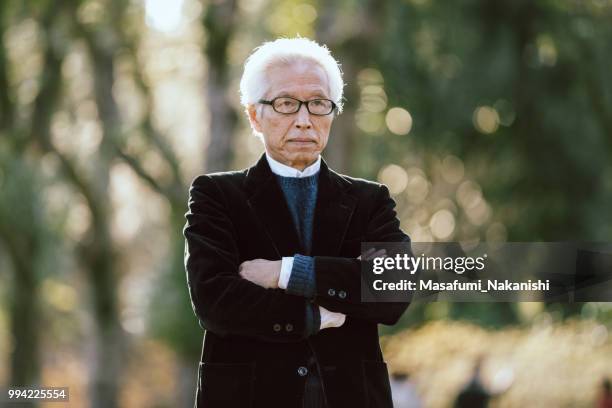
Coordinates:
6	99
96	251
171	317
22	226
173	320
219	21
356	50
23	235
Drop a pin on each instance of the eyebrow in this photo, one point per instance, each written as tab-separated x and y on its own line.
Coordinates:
317	94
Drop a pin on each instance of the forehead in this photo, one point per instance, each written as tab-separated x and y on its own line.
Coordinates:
301	79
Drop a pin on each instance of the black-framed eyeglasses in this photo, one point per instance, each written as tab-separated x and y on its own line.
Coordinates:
287	105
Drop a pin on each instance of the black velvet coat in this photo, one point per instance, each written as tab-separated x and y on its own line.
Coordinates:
254	344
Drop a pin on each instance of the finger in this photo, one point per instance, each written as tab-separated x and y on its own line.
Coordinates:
367	253
379	253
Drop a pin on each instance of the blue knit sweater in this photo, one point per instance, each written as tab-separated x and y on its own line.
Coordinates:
301	197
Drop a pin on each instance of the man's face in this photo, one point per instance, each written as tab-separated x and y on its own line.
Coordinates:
294	139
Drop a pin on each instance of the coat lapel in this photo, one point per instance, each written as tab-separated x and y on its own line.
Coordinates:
267	202
332	212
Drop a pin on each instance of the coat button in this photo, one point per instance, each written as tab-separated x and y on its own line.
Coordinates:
276	327
331	292
342	294
302	371
289	327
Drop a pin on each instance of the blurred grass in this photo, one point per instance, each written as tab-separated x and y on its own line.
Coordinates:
554	364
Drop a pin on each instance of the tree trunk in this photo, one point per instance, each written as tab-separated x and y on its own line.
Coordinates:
98	252
219	22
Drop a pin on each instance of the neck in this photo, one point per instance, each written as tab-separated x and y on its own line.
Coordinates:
298	165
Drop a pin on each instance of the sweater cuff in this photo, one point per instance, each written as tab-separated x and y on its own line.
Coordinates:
313	319
302	278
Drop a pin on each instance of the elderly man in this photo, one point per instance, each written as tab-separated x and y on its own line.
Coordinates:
272	252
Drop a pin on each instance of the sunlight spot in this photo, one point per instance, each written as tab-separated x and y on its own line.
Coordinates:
486	119
163	15
399	121
395	177
442	224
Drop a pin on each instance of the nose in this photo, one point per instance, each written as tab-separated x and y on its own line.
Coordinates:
302	120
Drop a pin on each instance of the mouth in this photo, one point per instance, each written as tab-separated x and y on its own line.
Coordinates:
301	140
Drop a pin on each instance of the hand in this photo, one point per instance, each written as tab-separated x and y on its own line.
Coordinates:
373	253
331	319
261	272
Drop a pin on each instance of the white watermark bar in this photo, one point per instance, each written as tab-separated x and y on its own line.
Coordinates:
486	272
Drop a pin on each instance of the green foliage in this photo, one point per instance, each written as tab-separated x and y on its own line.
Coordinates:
540	65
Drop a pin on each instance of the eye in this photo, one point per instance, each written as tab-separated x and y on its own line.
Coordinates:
285	103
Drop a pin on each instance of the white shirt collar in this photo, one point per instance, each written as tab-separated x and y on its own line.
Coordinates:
287	171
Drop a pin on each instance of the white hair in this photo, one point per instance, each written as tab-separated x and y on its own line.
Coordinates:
254	83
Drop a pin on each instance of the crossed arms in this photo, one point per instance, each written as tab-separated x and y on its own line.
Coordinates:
250	303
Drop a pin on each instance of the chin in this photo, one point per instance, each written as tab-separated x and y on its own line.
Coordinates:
305	156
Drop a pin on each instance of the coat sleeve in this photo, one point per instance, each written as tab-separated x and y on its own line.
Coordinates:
224	302
338	280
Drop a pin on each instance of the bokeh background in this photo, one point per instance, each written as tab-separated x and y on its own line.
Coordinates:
488	120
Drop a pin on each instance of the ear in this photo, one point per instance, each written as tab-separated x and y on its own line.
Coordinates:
253	119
